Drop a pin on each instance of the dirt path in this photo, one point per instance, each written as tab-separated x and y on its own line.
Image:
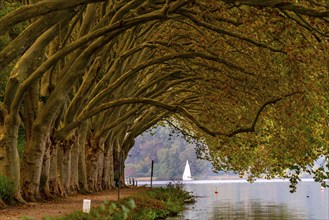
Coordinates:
63	206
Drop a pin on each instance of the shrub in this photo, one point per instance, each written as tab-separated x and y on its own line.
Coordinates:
6	190
160	202
150	204
106	211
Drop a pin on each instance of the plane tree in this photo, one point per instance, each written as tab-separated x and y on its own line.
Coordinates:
87	77
274	73
273	123
59	77
69	69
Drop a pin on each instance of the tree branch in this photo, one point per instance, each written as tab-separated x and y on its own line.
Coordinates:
227	33
284	5
253	125
41	8
172	108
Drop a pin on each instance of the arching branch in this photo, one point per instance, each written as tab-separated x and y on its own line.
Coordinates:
227	33
21	43
172	108
41	8
159	60
284	5
260	110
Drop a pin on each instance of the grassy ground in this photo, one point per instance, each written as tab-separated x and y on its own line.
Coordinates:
155	203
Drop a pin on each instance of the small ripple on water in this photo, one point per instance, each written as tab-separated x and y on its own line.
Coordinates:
270	200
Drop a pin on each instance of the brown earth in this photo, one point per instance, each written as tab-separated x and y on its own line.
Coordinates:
63	206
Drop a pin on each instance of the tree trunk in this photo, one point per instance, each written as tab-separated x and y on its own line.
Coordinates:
100	169
66	167
10	158
108	172
83	182
32	166
54	182
122	179
44	181
4	163
116	165
74	181
94	162
92	170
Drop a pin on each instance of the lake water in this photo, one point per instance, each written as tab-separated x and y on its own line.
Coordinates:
238	199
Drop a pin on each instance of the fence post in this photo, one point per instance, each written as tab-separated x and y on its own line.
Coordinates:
151	173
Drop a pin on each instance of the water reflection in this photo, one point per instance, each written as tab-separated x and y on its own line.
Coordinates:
252	210
257	201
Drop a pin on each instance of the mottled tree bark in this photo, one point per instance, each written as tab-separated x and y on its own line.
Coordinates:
108	172
83	181
54	181
74	180
66	166
33	159
92	162
44	182
11	160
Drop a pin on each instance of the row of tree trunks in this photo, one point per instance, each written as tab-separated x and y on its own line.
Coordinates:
59	167
64	169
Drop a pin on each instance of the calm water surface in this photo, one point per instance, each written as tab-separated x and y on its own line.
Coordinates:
238	199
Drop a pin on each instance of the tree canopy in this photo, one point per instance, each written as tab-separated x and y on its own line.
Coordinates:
247	80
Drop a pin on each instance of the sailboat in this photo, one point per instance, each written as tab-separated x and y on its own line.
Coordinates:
187	172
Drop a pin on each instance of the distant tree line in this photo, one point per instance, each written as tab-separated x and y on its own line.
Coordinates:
169	152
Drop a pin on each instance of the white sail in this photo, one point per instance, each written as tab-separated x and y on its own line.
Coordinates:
187	172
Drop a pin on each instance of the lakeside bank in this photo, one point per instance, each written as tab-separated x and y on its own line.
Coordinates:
152	203
135	203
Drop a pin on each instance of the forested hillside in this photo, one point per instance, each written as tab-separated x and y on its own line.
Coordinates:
169	152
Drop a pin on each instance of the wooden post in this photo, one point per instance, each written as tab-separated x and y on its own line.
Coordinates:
151	173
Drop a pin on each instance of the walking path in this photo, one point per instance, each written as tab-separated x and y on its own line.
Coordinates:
63	206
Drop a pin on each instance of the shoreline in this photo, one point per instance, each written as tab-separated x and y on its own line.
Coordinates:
220	181
62	206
